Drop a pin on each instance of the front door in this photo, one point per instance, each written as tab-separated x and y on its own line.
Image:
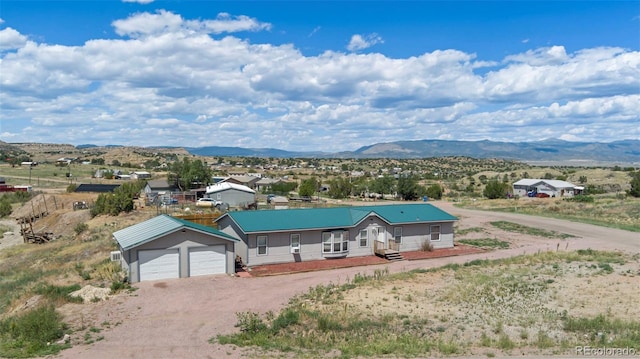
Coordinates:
379	234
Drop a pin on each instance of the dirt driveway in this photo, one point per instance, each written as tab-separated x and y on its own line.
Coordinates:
176	318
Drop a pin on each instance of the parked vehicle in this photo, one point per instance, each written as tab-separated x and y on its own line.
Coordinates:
207	202
542	195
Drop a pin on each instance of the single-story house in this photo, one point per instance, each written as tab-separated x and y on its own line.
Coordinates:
554	188
264	184
167	247
292	235
160	185
244	180
232	194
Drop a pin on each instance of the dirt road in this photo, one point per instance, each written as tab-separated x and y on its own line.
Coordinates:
176	318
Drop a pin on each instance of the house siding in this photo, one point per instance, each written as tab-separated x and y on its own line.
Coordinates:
182	241
414	235
279	249
234	198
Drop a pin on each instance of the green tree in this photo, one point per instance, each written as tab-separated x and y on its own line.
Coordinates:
434	191
635	184
582	179
408	188
308	187
340	188
121	200
382	185
495	189
187	174
283	188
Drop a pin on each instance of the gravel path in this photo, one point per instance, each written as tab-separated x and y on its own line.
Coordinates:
176	318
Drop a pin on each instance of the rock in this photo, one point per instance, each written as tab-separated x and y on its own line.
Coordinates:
65	339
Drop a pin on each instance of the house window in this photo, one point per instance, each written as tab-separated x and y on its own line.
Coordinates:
335	242
397	234
262	245
364	238
218	196
435	232
295	243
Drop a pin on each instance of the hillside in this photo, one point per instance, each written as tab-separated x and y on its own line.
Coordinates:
50	152
625	151
548	151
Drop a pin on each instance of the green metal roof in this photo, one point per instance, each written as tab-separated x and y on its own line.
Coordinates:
157	227
335	217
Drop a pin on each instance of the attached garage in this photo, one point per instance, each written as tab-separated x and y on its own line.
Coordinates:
159	264
207	260
166	247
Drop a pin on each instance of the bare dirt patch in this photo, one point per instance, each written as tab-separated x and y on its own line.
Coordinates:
477	307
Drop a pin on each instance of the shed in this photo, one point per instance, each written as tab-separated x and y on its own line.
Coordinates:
166	247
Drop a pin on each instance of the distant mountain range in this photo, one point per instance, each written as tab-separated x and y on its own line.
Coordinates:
624	151
542	152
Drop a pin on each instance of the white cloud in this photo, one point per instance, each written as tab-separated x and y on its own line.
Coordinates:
168	82
144	2
11	39
360	42
144	24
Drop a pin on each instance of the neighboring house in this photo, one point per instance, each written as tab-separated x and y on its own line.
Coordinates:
264	184
553	188
234	195
291	235
166	247
244	180
157	186
140	175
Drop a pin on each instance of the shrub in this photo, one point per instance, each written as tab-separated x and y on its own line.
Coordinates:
5	207
80	227
31	333
250	322
581	198
427	246
286	318
117	286
59	294
495	189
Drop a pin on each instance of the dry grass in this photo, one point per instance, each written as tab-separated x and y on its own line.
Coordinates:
546	303
607	210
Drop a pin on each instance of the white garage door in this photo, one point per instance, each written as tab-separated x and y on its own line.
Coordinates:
159	264
207	260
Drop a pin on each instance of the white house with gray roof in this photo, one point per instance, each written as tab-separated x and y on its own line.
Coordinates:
554	188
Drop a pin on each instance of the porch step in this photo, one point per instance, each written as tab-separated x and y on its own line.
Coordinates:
393	256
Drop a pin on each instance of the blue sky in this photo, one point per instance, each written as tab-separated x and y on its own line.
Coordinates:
317	75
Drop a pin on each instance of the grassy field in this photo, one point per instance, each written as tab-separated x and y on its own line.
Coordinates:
521	305
620	211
